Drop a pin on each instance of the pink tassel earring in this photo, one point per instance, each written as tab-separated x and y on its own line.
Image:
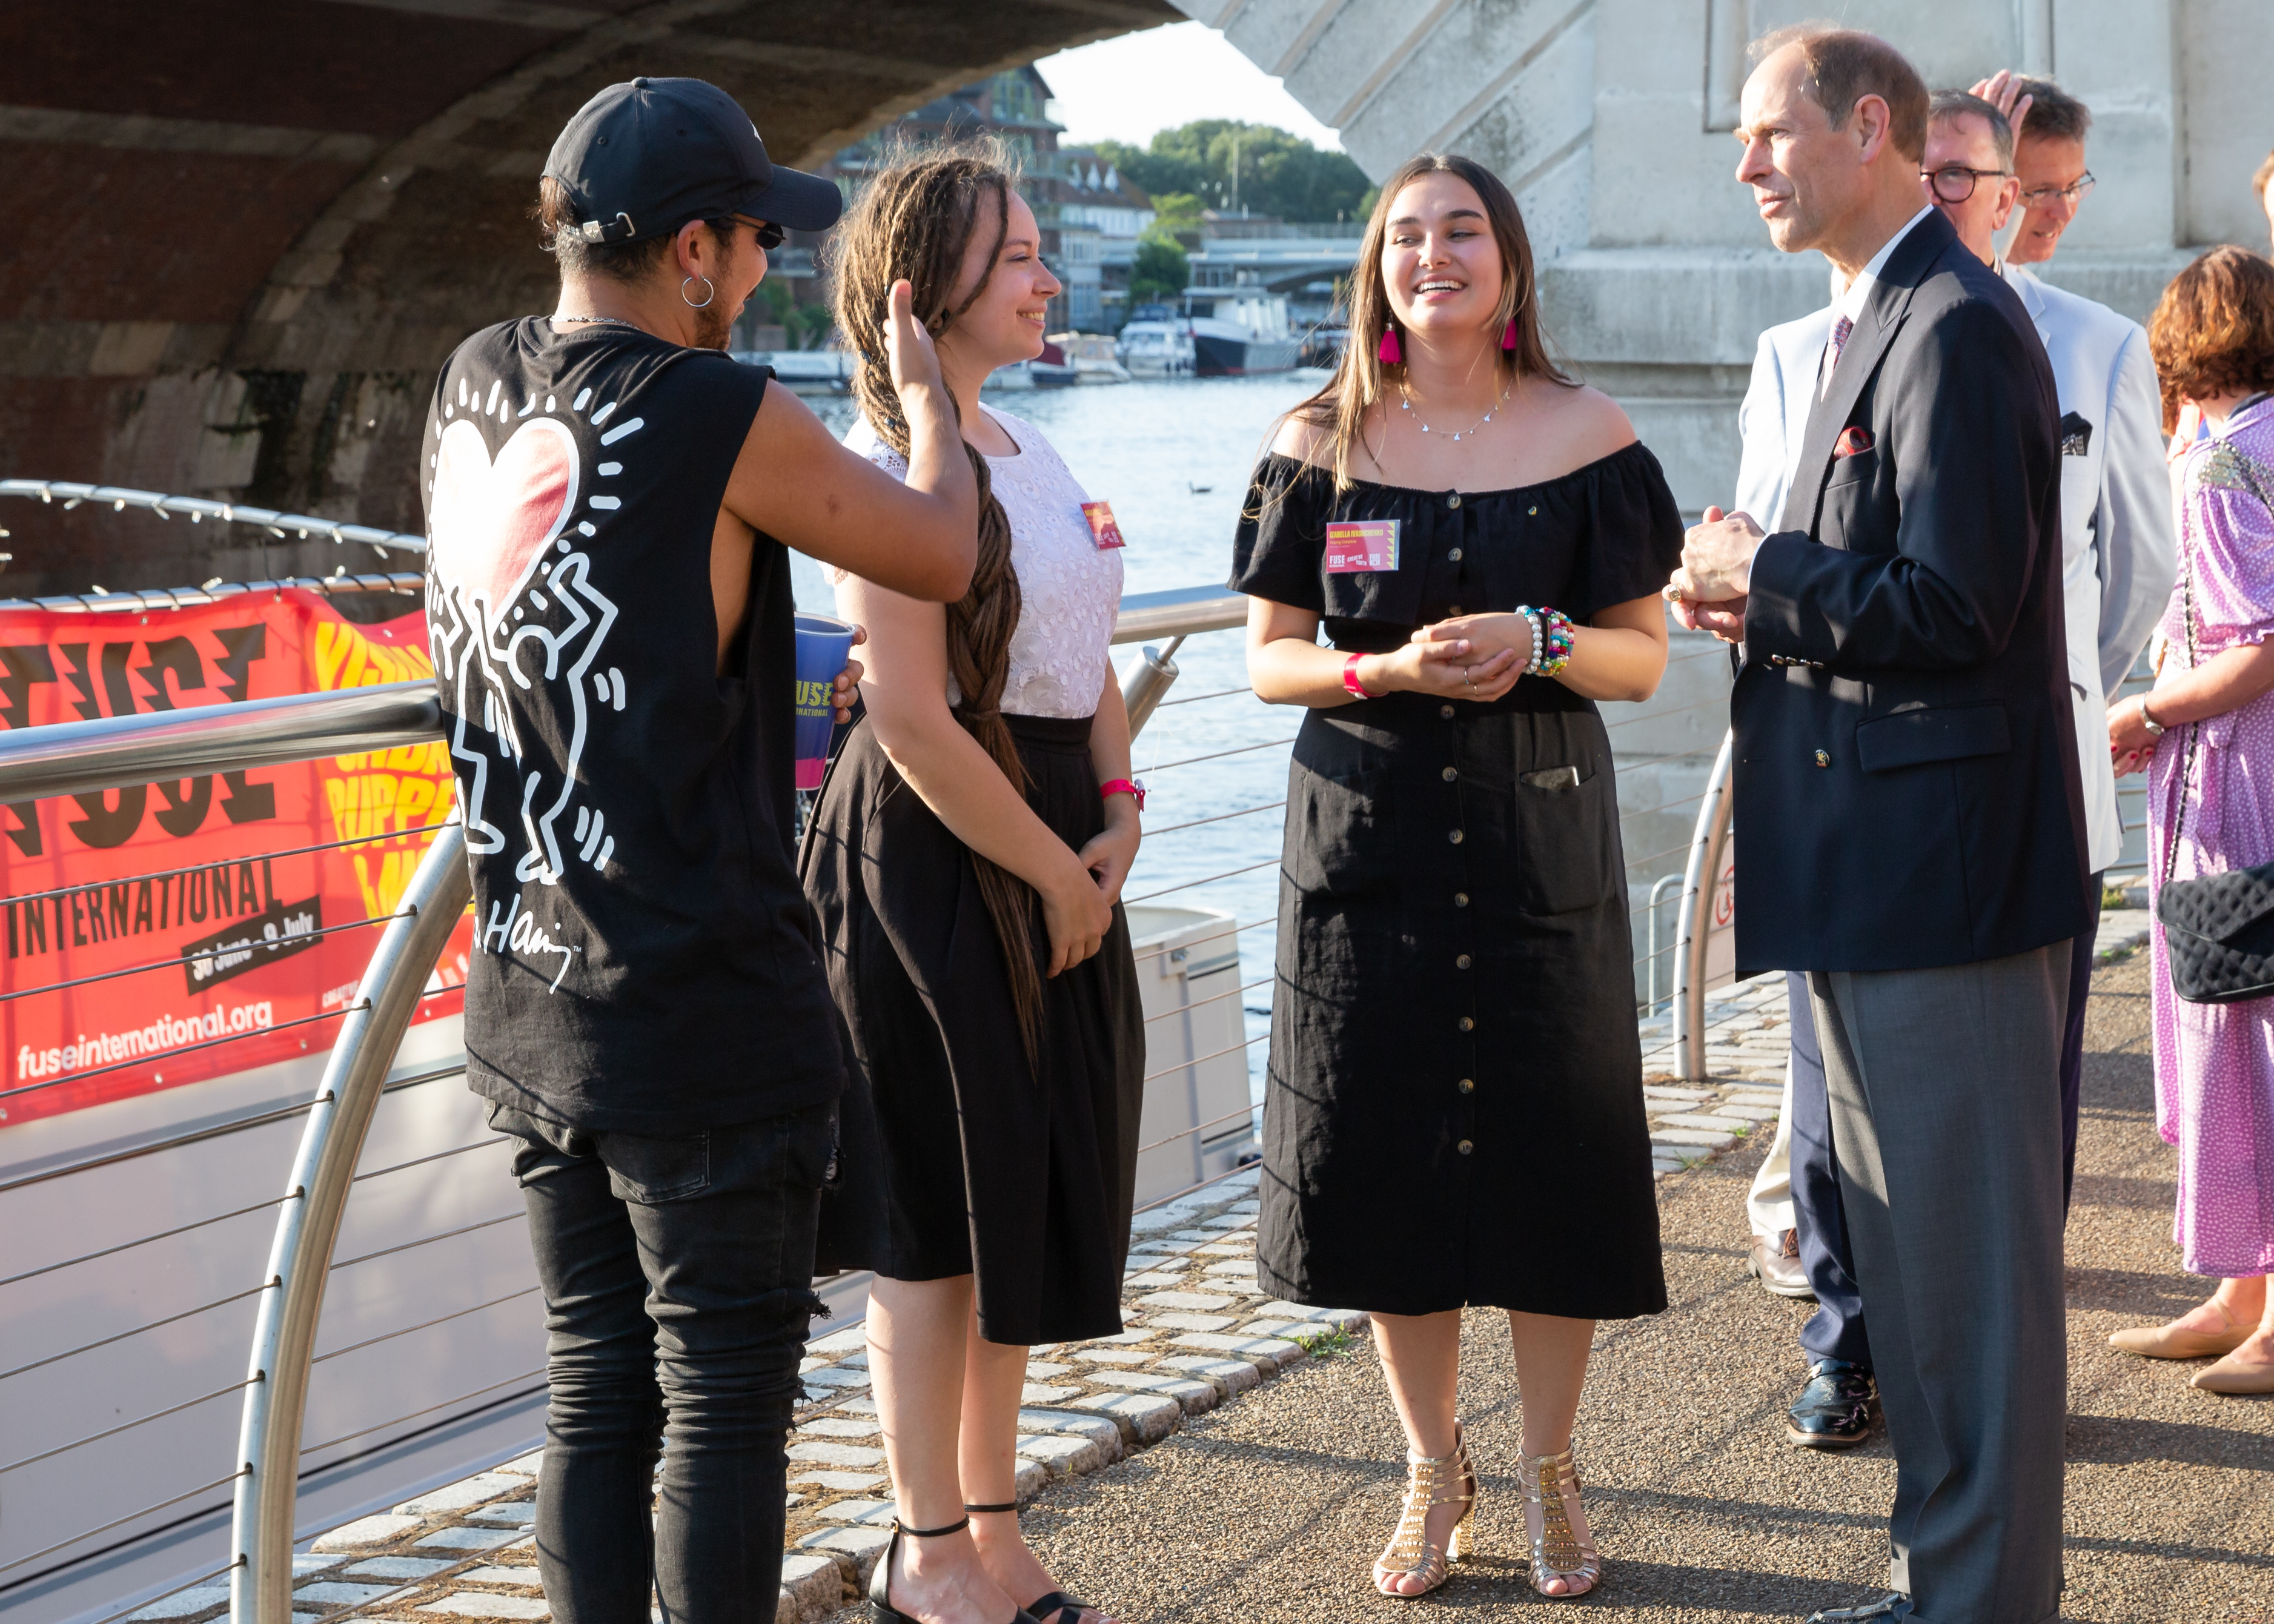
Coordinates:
1507	339
1389	354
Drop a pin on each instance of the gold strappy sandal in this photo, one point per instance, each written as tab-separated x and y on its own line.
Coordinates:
1551	1487
1430	1480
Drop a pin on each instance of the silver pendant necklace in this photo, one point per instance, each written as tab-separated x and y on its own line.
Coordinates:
611	321
1406	403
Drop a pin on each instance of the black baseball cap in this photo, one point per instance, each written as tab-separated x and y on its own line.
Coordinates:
642	158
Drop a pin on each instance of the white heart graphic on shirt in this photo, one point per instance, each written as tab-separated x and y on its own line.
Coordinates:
493	521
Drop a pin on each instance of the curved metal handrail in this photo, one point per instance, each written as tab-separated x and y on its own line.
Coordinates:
1698	880
307	1226
1178	612
196	508
78	758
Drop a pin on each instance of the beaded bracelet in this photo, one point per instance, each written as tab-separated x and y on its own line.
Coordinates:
1551	640
1558	640
1530	618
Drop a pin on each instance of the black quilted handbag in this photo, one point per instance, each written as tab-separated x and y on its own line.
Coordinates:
2218	928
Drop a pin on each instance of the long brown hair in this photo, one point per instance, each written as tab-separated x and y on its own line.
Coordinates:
1362	378
916	220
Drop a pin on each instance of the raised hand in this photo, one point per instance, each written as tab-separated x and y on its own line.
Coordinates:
2002	91
908	347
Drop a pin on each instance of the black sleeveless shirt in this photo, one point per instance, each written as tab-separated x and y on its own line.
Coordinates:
643	960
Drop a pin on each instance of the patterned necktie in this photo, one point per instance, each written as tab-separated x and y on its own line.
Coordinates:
1841	329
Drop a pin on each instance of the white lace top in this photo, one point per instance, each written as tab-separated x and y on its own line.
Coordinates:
1070	589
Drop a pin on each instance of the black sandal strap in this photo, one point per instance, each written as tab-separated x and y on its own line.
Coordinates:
1006	1505
1059	1602
931	1533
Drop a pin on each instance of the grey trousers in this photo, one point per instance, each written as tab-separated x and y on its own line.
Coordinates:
1945	1121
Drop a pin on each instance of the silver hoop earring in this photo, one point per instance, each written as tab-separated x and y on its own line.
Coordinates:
709	292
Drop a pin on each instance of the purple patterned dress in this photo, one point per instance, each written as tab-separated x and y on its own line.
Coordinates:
2215	1063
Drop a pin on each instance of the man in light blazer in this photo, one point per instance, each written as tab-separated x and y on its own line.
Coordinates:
2119	552
1913	827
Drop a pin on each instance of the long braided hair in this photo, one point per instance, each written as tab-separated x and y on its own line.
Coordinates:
916	220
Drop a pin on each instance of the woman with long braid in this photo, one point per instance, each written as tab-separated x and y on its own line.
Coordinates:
1001	1044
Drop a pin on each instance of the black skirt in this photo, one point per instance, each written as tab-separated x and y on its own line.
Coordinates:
959	1157
1454	1110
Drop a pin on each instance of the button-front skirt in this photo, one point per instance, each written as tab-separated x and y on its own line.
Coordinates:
1455	1112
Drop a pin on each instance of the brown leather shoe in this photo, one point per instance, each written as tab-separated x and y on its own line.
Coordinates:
1775	1263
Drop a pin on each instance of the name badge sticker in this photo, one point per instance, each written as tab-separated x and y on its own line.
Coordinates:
1102	530
1361	547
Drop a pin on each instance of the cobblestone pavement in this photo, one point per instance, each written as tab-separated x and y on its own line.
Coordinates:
1230	1457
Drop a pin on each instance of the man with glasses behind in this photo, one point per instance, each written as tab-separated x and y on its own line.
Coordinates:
2048	159
2118	551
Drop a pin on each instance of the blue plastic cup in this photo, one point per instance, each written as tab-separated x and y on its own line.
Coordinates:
823	647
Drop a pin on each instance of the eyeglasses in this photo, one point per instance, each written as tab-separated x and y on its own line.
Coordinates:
1954	183
2045	196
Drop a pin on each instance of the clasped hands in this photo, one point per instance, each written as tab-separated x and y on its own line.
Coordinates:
1476	656
1709	591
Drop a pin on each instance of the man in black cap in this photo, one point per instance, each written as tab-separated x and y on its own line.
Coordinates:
609	497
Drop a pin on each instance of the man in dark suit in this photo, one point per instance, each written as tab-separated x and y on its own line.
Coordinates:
1910	824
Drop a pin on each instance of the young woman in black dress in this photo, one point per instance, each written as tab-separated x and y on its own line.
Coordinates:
1455	1114
964	865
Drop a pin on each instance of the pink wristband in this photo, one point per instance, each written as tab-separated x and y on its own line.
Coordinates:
1124	787
1350	678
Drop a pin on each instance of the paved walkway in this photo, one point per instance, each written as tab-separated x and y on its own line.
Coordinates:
1207	1467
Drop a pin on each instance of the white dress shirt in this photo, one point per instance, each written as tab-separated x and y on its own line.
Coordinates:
1851	302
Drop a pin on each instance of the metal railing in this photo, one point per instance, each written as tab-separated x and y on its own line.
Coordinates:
272	1458
197	509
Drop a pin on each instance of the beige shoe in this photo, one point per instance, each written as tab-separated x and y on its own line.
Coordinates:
1558	1549
1430	1480
2230	1376
2175	1341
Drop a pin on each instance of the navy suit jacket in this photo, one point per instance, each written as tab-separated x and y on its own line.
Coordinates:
1906	786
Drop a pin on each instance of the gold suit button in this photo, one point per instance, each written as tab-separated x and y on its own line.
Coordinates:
1466	1146
1451	773
1461	963
1446	711
1468	1023
1460	900
1455	836
1823	759
1468	1085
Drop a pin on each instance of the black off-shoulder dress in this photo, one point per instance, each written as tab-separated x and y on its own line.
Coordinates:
1454	1113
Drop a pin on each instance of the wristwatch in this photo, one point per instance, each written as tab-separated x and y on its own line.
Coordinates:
2155	728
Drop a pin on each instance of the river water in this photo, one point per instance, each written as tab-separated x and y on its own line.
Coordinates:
1173	457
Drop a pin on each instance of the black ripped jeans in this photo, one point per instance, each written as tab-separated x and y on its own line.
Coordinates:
678	1279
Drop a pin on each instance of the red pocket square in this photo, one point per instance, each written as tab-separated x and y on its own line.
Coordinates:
1852	440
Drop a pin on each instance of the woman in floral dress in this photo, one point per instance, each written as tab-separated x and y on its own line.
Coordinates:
2206	735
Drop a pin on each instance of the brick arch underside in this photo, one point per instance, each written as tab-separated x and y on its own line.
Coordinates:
244	234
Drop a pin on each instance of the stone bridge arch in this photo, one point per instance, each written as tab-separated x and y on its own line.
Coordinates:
243	234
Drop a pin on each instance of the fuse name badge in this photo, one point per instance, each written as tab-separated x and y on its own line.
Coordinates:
1102	530
1358	547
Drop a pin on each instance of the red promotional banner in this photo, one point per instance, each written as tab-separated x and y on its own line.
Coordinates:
160	934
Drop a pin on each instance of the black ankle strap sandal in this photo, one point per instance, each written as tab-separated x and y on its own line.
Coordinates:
1041	1607
881	1610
